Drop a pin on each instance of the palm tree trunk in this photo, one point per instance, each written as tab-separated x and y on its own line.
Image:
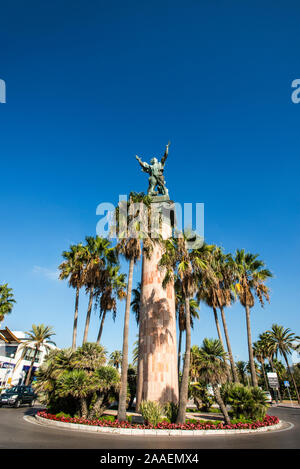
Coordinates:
123	389
218	326
75	319
31	367
101	327
221	404
83	407
179	352
139	371
250	349
221	339
233	370
291	375
183	395
264	373
88	316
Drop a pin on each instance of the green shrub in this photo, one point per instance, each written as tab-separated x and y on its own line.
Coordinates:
202	399
151	411
166	420
246	402
107	418
241	420
171	411
62	414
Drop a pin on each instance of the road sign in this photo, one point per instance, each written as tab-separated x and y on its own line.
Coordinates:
273	380
287	384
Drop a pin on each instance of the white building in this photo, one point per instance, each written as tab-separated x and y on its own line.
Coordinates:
14	360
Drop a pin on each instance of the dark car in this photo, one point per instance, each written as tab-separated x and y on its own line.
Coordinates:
18	395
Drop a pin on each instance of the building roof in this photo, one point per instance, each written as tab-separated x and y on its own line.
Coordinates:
8	336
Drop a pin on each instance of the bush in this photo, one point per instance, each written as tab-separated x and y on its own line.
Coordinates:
171	411
107	418
151	411
63	415
246	402
202	399
76	383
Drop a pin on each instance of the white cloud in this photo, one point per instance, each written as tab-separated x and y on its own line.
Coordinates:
50	274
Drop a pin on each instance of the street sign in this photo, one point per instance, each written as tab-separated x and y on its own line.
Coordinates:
273	380
287	384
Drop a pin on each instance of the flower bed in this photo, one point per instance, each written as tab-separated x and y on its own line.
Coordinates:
267	422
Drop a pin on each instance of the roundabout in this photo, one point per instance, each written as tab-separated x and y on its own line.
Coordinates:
269	424
20	429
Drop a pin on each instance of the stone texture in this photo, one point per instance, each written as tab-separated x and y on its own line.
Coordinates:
158	358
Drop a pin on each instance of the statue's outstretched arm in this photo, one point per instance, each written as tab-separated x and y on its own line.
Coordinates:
145	166
166	154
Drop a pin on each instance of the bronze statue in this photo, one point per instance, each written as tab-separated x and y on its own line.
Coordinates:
156	178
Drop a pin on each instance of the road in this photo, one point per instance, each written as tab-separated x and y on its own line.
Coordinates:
17	433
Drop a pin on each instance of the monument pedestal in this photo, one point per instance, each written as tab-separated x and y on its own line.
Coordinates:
157	367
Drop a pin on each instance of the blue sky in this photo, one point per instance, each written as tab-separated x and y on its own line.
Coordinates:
90	84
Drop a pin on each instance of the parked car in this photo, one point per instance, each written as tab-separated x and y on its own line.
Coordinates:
269	397
18	395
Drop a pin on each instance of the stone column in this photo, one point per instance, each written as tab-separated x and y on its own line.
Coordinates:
157	368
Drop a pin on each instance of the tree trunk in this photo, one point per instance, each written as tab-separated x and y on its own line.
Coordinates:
88	316
183	395
27	382
83	407
221	404
264	373
279	394
75	320
292	376
179	353
221	340
233	370
139	388
123	389
101	327
250	349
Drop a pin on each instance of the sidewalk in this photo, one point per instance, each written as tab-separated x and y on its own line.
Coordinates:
287	404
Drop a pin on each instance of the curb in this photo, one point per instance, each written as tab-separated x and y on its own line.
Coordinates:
139	432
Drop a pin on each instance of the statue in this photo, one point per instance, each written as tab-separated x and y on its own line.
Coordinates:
156	170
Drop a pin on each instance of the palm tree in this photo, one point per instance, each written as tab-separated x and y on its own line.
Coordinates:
212	370
129	246
184	264
259	354
99	253
38	336
180	312
135	353
110	289
89	357
195	361
78	384
116	359
72	268
251	276
269	353
283	341
136	301
215	289
6	300
241	367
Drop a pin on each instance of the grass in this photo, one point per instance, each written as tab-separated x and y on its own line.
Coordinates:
212	410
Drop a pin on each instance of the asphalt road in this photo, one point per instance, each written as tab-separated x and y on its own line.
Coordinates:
17	433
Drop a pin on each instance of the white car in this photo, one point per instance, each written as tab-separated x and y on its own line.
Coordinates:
268	397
